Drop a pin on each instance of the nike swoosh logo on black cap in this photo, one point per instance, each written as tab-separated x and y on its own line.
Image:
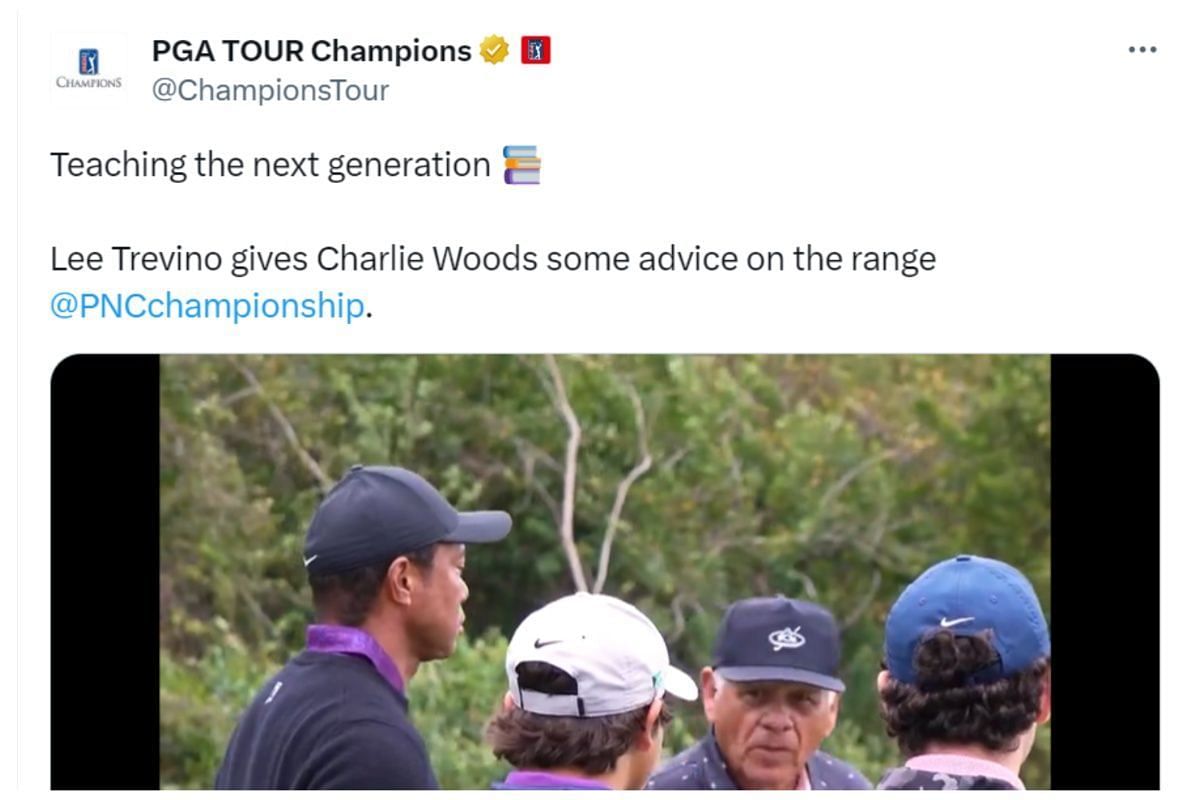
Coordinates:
538	644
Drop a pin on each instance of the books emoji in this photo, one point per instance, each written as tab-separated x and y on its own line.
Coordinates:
522	165
521	176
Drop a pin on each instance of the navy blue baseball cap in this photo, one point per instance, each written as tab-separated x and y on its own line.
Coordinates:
377	513
968	595
779	639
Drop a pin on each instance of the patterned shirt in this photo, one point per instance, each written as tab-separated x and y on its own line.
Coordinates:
946	771
702	766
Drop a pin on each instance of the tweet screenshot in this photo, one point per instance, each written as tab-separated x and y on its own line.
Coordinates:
632	395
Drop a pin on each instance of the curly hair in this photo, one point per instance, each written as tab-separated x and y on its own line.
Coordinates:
947	705
537	741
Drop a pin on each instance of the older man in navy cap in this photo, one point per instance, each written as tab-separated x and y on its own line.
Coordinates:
772	696
385	555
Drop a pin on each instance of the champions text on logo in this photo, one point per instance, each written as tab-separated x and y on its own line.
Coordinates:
89	68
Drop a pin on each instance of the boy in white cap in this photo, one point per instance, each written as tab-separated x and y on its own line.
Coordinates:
587	676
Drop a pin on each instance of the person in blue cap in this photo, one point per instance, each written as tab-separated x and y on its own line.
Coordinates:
966	677
385	554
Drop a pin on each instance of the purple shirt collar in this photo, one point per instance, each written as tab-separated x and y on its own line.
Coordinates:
355	642
522	779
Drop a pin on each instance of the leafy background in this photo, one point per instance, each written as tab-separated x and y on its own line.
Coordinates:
836	479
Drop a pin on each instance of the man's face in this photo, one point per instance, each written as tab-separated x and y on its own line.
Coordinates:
439	592
767	730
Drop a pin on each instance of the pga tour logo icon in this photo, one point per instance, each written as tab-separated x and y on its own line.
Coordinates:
89	62
535	49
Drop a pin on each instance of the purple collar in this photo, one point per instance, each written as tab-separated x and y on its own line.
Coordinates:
355	642
523	779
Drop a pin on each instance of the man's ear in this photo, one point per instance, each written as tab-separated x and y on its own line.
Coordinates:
509	702
399	584
708	692
835	705
645	739
1044	701
881	681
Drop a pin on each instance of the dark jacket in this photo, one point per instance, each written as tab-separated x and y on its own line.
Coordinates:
326	721
702	766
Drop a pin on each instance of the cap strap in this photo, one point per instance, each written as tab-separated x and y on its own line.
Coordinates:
552	705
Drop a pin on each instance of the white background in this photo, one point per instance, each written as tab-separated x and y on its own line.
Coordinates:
1054	174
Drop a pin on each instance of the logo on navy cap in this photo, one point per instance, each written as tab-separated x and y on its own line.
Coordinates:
787	637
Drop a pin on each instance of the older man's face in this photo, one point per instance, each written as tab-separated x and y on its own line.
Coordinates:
767	730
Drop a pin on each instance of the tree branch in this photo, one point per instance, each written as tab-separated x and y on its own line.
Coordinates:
535	455
865	603
810	588
289	432
880	526
639	469
529	462
674	458
239	395
266	625
840	485
566	528
677	614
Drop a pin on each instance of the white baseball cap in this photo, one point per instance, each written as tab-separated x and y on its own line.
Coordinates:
613	651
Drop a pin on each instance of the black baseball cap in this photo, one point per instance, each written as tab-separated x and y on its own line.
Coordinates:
376	513
779	639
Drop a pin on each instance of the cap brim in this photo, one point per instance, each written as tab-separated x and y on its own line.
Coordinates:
679	683
784	674
478	527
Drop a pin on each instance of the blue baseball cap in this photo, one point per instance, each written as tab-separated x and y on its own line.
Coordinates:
779	639
968	595
377	513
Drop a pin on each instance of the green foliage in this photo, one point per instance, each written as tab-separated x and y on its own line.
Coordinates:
836	479
452	701
199	698
863	747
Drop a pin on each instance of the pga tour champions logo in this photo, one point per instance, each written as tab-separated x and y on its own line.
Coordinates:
89	71
789	638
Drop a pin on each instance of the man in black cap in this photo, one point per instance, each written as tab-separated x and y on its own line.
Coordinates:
772	696
385	555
